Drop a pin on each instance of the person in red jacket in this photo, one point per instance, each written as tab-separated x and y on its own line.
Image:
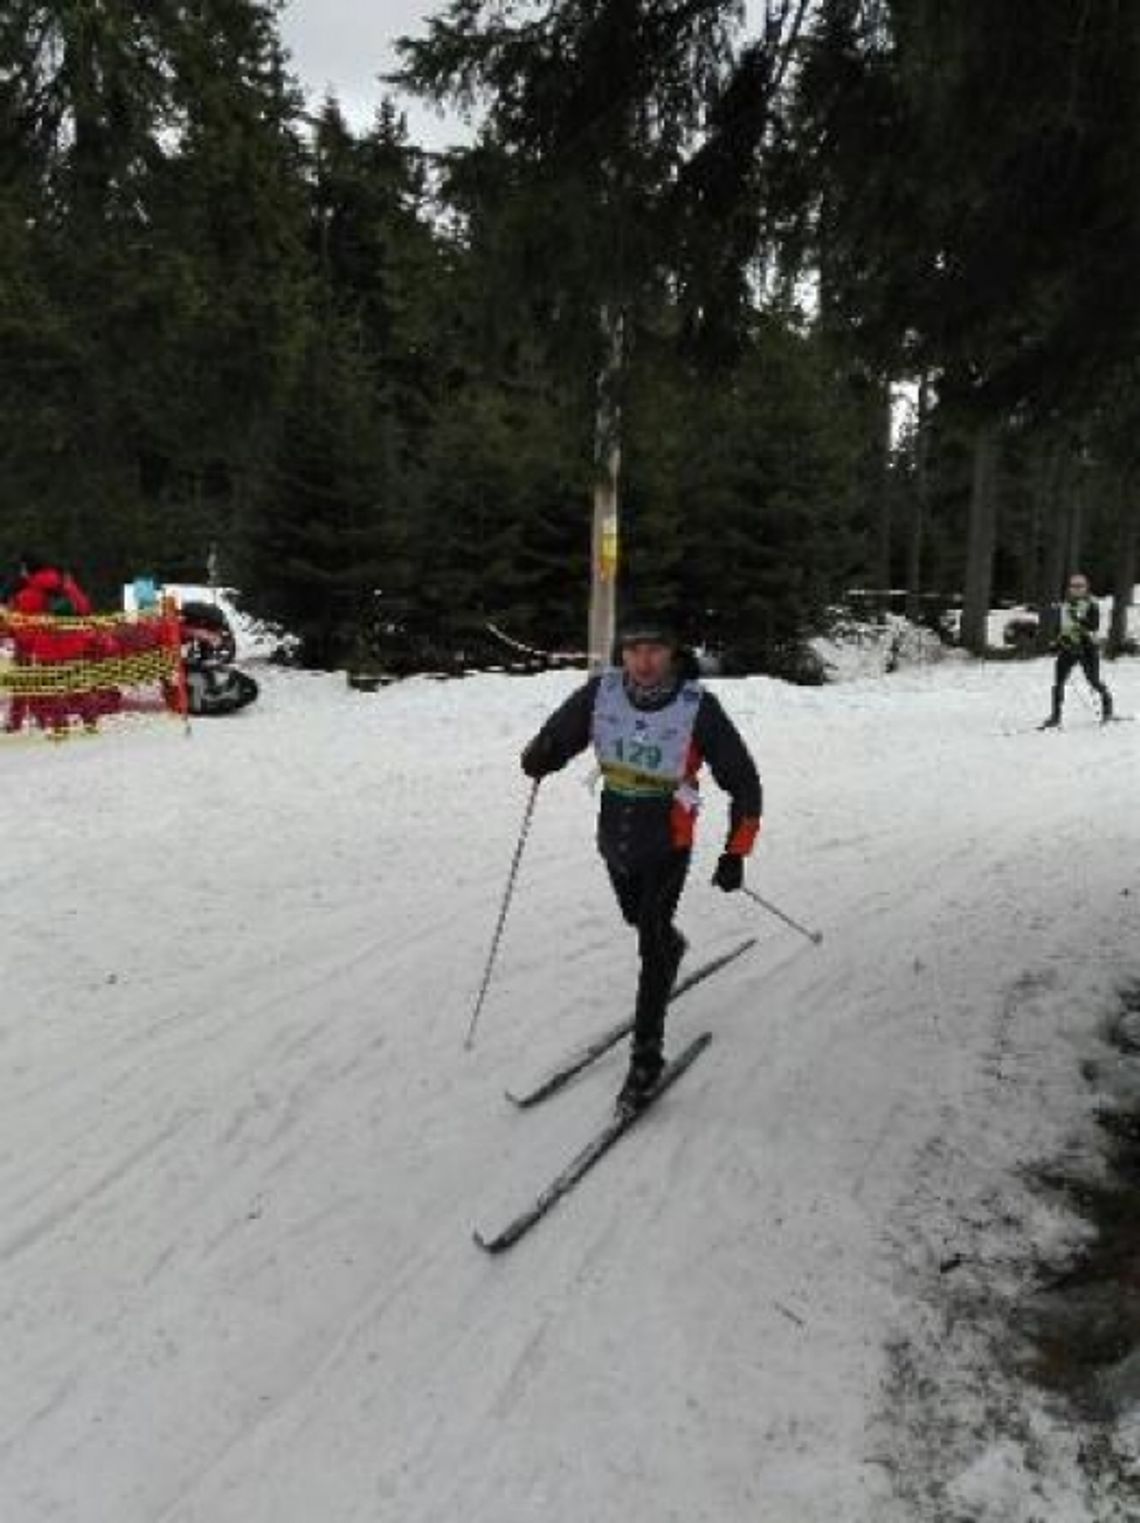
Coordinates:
44	592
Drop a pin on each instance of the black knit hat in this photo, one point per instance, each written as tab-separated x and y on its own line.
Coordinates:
646	629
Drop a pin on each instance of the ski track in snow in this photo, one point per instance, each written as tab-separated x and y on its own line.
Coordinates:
242	1148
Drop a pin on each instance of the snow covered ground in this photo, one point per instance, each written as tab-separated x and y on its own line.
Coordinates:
242	1147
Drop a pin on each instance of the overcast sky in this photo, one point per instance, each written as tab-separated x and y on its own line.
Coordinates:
346	44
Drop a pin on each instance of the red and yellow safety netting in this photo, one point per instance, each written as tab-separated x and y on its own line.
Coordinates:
59	675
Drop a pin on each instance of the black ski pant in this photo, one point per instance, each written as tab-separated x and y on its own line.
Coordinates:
1088	658
648	895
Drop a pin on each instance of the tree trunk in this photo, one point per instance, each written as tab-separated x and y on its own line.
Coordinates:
1057	546
883	485
1030	579
980	544
1075	519
604	539
1124	564
919	504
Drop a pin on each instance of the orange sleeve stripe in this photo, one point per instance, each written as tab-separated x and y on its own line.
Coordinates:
743	838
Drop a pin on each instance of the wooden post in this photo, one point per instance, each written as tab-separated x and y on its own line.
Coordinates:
605	536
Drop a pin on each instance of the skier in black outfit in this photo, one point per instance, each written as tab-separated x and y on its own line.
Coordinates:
653	726
1072	627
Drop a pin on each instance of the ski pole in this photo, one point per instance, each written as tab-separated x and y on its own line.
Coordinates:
816	936
486	984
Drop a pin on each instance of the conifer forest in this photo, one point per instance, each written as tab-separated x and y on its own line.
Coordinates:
848	287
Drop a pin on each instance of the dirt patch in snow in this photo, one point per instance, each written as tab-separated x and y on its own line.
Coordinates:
1084	1324
1014	1395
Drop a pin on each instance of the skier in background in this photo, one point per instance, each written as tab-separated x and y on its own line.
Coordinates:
653	726
1072	626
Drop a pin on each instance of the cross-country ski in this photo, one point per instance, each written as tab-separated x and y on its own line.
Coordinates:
588	1052
583	1161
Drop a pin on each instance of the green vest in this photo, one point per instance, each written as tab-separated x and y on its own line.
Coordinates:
1073	632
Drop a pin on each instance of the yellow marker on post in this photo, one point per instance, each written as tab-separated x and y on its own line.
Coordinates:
608	550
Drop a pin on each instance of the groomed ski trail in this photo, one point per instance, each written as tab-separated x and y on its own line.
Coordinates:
242	1147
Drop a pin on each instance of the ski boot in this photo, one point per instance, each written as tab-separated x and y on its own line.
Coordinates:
1052	723
645	1067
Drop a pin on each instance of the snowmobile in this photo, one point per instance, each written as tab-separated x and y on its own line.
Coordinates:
214	686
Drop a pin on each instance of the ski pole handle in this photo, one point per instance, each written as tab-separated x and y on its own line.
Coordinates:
469	1041
816	936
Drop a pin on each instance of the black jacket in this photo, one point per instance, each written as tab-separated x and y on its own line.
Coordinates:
633	831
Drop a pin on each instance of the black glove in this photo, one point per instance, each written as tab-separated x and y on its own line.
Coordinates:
534	761
729	874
